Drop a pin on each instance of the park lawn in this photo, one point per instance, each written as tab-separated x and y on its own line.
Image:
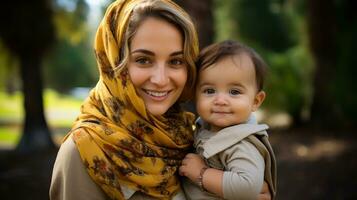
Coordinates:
9	134
60	112
10	106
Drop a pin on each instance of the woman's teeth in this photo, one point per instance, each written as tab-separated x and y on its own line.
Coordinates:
156	94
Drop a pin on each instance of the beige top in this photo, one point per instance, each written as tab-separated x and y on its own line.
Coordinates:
244	154
70	180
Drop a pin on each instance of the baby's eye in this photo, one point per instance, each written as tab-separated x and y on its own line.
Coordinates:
209	91
234	92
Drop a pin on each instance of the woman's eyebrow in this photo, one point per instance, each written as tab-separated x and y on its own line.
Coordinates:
176	53
144	51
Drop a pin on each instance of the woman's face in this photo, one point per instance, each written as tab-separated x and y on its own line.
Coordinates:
157	67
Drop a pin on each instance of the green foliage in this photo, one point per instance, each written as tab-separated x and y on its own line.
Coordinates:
289	82
257	22
72	62
225	24
262	21
276	29
71	25
71	66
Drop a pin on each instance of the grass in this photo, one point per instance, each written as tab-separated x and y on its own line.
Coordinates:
9	134
11	106
60	111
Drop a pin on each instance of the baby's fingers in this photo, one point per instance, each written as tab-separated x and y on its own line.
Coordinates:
182	171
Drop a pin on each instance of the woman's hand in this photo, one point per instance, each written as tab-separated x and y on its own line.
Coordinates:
265	193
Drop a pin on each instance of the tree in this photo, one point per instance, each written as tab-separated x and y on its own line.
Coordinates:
28	33
72	57
201	12
322	40
332	29
202	15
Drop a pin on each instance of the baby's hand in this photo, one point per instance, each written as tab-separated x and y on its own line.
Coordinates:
191	166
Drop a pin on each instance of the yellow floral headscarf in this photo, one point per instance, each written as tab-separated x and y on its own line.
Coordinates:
119	142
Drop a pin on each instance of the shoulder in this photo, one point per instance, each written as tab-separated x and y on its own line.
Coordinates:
66	164
244	146
69	146
68	155
70	179
243	151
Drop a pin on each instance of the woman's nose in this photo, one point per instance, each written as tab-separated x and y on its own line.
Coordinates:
159	75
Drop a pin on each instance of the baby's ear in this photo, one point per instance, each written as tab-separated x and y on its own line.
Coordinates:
258	100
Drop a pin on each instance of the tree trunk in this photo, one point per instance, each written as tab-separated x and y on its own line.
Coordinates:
202	15
322	36
36	135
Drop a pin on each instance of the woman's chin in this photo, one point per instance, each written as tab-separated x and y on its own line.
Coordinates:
158	108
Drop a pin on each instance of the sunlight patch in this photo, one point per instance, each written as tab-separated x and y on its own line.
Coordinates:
321	149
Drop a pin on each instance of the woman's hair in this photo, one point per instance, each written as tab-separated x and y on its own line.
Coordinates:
216	52
175	15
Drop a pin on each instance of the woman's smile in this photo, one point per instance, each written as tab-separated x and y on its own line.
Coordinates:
157	95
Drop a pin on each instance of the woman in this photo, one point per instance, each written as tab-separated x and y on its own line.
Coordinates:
131	134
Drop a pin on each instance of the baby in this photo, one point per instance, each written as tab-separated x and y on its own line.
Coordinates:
233	155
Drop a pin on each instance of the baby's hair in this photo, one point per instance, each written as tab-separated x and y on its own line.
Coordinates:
217	51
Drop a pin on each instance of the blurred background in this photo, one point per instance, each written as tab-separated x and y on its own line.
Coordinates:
47	68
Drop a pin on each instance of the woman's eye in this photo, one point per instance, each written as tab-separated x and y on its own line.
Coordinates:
234	92
176	62
143	61
209	91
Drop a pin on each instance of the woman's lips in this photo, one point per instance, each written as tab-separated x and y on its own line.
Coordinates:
157	95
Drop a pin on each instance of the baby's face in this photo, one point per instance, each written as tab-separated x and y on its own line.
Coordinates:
227	92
